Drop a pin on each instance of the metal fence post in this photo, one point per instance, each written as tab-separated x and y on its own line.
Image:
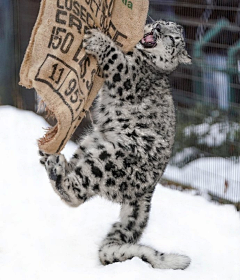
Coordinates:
198	51
232	67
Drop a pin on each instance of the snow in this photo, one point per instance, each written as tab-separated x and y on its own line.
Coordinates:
186	154
209	174
42	238
213	134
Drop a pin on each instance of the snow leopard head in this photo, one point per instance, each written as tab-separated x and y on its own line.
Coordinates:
164	42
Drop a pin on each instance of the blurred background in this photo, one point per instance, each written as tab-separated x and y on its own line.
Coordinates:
206	155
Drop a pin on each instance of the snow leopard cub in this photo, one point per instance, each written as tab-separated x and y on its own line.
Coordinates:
125	154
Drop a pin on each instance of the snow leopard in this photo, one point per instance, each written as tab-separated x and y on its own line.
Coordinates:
124	155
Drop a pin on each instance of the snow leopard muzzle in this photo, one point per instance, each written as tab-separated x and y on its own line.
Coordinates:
150	39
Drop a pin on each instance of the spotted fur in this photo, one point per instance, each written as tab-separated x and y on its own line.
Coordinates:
126	152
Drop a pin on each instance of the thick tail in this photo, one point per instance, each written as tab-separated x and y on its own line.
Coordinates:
120	243
119	253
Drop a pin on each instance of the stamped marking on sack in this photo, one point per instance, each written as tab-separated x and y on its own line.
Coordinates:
71	14
127	3
61	71
63	80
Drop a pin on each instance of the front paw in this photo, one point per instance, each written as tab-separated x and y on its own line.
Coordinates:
55	166
93	40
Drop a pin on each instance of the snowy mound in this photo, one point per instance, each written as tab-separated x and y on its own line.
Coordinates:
41	238
209	175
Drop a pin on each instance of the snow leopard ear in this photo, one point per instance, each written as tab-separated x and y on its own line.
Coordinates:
184	57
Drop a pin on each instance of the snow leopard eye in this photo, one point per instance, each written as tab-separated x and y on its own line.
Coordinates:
172	39
179	27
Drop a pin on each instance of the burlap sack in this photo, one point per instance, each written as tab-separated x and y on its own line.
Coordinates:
56	65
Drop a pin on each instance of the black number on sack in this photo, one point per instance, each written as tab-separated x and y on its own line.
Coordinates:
71	90
56	77
56	37
58	40
67	43
71	87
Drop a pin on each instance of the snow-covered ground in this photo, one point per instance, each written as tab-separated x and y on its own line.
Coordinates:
41	238
218	175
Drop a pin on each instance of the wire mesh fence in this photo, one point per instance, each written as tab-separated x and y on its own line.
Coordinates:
207	96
